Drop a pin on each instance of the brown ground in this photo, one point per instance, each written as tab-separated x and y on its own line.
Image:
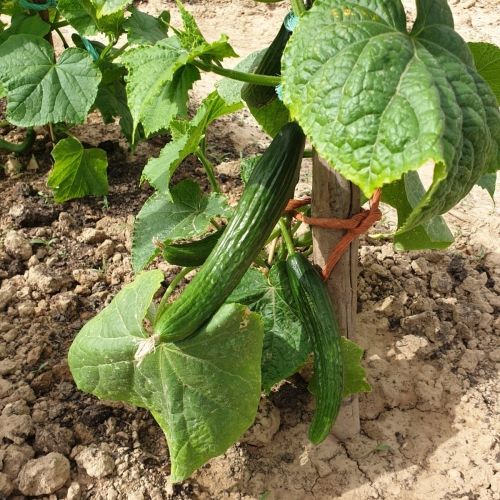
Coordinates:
429	322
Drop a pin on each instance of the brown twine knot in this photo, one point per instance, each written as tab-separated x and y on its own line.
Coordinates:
355	226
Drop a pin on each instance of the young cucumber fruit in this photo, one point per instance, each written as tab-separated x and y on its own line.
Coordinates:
192	253
257	96
270	186
318	318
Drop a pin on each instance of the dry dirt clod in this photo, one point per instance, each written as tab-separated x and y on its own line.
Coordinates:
96	463
6	486
7	294
44	475
266	425
92	236
45	279
16	428
74	492
17	246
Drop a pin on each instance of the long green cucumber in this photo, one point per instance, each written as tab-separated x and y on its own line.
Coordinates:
266	193
257	96
192	253
318	318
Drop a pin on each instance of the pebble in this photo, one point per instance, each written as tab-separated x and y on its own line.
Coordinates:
86	277
7	366
105	250
43	279
425	323
74	492
17	246
96	463
14	459
441	283
92	236
7	293
66	221
44	475
16	428
420	266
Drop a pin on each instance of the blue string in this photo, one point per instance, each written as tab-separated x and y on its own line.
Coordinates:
291	21
39	7
90	48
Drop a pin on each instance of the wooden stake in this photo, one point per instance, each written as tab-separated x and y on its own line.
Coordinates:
334	196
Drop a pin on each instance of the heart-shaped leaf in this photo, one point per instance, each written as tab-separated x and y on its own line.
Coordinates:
203	392
41	90
378	102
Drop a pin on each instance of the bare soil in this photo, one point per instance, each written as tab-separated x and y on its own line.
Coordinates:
429	322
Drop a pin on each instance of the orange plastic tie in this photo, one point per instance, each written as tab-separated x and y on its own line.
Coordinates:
355	226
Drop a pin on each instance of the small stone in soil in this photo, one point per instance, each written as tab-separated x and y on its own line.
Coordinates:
44	475
17	246
97	463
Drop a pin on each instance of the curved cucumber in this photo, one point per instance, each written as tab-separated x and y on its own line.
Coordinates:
193	253
318	318
257	96
266	193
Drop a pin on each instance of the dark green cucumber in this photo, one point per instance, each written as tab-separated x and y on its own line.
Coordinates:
192	253
318	318
257	96
266	193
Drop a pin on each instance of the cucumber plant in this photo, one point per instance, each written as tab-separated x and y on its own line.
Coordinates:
374	99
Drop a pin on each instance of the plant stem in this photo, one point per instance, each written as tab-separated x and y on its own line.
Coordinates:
209	169
52	135
171	287
120	51
298	7
287	237
60	24
61	36
19	148
268	81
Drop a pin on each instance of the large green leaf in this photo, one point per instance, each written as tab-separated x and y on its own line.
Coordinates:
272	116
487	61
77	172
404	195
111	101
40	90
203	392
84	17
108	7
286	345
160	77
25	24
187	136
145	29
185	215
378	102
